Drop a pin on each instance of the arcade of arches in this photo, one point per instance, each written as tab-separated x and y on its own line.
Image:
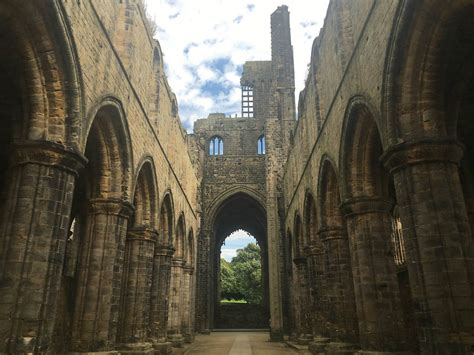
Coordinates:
362	198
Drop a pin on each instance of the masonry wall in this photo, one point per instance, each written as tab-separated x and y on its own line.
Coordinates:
370	91
129	73
101	84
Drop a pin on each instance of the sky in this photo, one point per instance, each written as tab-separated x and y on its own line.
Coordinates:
237	240
205	44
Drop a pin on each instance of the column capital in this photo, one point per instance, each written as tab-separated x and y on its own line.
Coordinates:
313	249
49	154
188	269
164	250
426	151
332	233
178	262
142	233
363	204
110	206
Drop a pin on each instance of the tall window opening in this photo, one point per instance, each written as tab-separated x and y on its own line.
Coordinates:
247	101
397	239
261	145
216	146
241	269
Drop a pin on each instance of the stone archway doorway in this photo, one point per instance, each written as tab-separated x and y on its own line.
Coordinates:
239	212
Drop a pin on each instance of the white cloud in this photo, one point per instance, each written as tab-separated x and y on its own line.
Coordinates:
228	253
237	240
194	34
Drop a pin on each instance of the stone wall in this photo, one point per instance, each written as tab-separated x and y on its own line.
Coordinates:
103	139
365	97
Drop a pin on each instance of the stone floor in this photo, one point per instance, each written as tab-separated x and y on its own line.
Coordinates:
237	343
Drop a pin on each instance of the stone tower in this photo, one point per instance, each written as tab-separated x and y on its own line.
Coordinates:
242	160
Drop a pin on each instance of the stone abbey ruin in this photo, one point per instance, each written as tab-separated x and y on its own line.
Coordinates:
360	194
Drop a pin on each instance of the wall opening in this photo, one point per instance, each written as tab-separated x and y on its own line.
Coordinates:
240	283
247	101
240	223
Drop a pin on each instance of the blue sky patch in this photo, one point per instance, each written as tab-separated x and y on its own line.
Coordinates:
237	240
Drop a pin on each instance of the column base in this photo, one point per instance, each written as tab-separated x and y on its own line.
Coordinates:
112	352
163	348
371	352
276	335
318	345
136	349
176	340
342	348
188	338
205	332
304	339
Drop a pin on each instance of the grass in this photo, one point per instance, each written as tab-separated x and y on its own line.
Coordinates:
233	301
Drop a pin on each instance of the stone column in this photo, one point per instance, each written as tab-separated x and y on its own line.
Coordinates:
34	222
304	328
100	275
186	320
136	289
439	243
315	254
292	303
174	328
203	282
341	316
159	297
377	295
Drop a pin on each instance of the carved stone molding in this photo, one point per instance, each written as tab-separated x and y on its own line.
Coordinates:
362	205
110	206
49	154
426	151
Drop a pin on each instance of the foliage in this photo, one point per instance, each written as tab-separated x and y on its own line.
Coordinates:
242	277
229	288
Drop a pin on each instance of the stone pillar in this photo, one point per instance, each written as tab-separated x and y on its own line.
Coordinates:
304	328
136	289
341	316
100	275
35	213
377	295
318	299
159	297
274	250
439	243
292	304
174	328
203	282
186	320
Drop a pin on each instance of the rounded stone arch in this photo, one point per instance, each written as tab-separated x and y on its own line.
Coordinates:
220	199
190	248
145	195
238	208
50	76
166	225
180	242
108	147
298	235
157	56
40	89
329	194
361	149
310	219
424	45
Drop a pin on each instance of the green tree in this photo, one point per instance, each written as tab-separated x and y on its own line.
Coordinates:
247	270
229	289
